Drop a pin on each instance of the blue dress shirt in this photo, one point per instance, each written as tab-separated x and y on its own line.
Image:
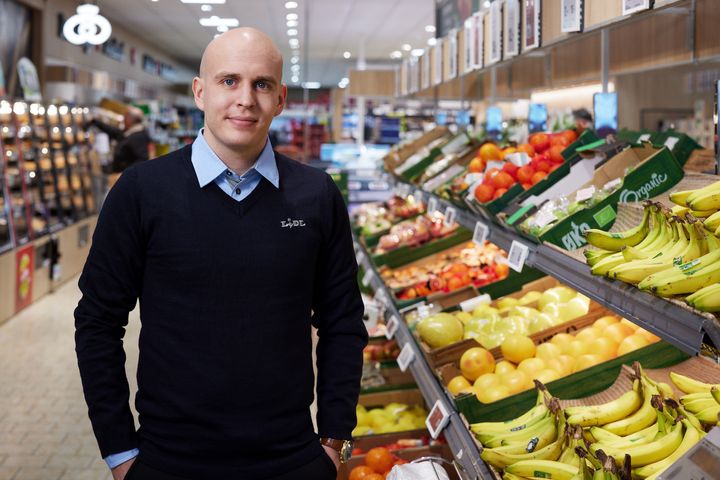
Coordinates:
209	168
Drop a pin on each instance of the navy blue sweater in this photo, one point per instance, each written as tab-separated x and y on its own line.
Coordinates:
228	291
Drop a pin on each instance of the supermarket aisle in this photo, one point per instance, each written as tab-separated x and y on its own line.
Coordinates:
45	433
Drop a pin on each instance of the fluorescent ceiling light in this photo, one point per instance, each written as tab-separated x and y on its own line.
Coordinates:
214	2
417	52
295	68
292	32
294	42
204	8
294	60
290	5
407	47
222	28
216	21
291	16
347	54
311	85
396	54
295	79
430	28
291	23
432	41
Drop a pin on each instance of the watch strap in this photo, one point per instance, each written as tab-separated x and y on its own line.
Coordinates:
333	443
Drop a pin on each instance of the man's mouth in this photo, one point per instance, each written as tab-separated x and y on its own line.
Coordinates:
242	121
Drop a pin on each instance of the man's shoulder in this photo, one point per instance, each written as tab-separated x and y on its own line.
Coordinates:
166	164
293	170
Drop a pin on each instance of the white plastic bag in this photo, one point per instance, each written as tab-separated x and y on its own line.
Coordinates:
418	471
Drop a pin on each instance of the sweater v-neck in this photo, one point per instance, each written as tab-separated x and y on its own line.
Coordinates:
237	207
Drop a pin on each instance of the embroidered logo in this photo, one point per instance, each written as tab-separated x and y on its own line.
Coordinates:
290	223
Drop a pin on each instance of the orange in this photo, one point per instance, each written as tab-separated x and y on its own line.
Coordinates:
458	384
564	364
540	142
632	343
537	176
570	135
379	459
486	380
475	362
499	193
376	476
618	332
517	348
361	472
502	367
587	361
516	381
503	180
493	393
555	153
477	165
524	174
484	193
490	151
577	348
527	148
605	347
531	366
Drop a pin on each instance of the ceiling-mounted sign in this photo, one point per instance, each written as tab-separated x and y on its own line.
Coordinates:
512	28
29	82
571	19
469	45
451	14
531	20
425	72
495	32
2	81
87	26
452	46
632	6
479	36
439	51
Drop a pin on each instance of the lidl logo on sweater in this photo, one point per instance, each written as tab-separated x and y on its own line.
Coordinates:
290	223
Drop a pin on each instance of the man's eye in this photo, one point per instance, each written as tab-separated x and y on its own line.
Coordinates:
229	82
261	85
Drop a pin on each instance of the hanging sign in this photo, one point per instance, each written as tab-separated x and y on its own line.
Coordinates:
512	28
469	46
438	76
479	25
87	26
632	6
495	33
453	54
531	20
571	16
28	76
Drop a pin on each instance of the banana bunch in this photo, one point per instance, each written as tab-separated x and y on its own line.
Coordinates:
707	299
702	400
706	199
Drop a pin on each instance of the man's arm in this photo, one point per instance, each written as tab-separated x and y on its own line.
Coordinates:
112	132
110	284
338	311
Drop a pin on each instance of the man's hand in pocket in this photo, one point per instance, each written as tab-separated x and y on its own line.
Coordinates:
121	470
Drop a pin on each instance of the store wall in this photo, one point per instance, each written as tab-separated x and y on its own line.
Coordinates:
58	51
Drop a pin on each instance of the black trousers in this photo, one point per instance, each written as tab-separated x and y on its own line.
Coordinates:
322	468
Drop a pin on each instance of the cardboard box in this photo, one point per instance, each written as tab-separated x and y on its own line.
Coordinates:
681	145
454	145
405	150
653	171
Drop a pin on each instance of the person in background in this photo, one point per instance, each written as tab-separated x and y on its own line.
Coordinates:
133	143
583	120
234	252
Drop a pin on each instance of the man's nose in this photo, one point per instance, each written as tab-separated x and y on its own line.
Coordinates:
245	96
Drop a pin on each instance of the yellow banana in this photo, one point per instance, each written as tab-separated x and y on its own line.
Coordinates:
501	457
707	299
699	404
538	412
680	197
712	222
648	453
710	415
625	405
644	417
686	278
691	437
638	438
706	198
614	241
690	385
715	392
492	440
679	210
542	469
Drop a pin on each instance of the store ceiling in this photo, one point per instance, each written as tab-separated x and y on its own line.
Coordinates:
333	27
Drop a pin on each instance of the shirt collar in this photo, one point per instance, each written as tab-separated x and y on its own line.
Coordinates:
208	165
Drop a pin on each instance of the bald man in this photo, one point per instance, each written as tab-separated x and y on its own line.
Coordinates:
133	141
234	252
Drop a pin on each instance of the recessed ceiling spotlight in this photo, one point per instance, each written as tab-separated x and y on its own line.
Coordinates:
430	28
292	32
311	85
417	52
291	16
294	42
396	54
294	60
407	47
432	41
291	23
222	28
347	54
295	79
290	5
295	68
204	8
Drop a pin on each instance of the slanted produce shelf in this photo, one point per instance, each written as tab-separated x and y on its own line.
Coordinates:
459	438
687	329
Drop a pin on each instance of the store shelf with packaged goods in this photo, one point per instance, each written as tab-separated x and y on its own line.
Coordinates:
456	432
688	330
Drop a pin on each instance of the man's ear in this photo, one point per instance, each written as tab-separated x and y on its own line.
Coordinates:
282	99
198	91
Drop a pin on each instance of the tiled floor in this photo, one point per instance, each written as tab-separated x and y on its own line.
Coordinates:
45	433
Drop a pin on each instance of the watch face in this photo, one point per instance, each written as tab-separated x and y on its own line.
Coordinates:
346	451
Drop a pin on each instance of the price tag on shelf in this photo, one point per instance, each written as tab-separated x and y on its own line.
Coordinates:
432	205
391	327
437	419
450	213
367	277
381	297
360	257
497	164
645	137
544	218
481	233
402	190
517	255
671	142
406	357
418	196
459	454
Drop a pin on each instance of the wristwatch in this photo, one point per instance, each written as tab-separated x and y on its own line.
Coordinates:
343	447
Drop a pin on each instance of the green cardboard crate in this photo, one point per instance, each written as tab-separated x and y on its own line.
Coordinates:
586	137
680	145
656	173
403	255
578	385
451	146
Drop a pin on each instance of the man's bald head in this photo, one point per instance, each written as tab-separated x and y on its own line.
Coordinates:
245	38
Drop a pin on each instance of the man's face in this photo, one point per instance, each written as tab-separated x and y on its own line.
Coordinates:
240	93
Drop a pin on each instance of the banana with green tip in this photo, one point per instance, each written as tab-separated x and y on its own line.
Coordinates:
712	222
604	437
648	453
706	198
691	437
707	299
497	439
543	469
614	241
527	419
699	404
621	407
710	415
644	417
686	278
690	385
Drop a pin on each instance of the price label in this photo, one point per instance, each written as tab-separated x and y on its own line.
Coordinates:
480	234
612	184
406	357
391	327
585	193
671	142
519	159
645	137
367	277
418	196
381	297
432	205
360	257
437	419
544	218
517	255
450	213
459	454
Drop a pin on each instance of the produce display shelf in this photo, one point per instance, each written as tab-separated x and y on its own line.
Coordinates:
672	321
459	438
